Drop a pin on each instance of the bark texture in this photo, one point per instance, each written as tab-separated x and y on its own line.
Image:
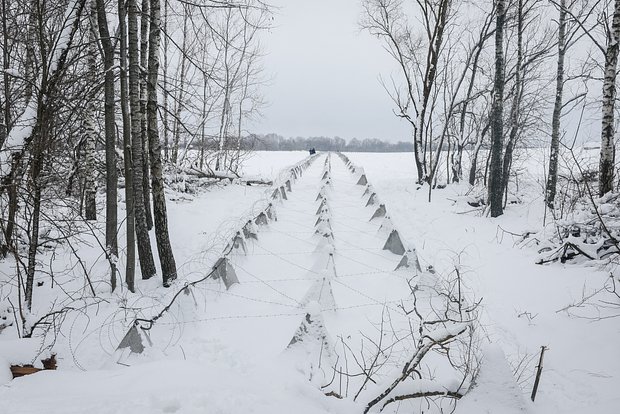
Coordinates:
496	188
166	257
608	148
145	254
552	176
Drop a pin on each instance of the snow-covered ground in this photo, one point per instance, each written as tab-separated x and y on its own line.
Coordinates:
520	299
220	351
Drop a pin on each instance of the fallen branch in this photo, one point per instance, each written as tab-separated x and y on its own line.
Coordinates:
215	175
438	393
562	254
427	344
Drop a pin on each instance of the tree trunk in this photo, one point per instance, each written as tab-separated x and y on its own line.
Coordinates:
474	159
166	257
145	254
165	70
496	189
129	200
181	90
608	148
111	215
47	89
203	138
552	177
6	61
89	167
516	103
417	154
144	44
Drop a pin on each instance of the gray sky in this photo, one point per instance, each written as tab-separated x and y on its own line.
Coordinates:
324	75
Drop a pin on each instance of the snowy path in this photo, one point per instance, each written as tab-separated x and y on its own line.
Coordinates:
279	271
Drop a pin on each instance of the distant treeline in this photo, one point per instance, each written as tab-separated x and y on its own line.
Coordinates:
274	142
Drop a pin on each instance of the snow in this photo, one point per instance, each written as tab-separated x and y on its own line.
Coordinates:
64	38
496	390
222	351
520	299
20	351
450	330
17	136
167	386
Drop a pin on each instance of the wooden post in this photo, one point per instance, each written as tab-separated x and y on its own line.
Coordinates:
538	371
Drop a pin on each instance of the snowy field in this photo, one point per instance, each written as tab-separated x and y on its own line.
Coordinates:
231	351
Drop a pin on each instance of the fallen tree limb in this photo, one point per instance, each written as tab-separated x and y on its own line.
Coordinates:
215	175
562	254
438	393
428	342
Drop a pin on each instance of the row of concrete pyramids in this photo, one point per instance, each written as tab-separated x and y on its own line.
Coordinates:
222	269
311	336
136	339
394	242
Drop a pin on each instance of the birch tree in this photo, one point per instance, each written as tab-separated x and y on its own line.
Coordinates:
130	259
166	257
111	211
552	175
145	254
496	188
608	147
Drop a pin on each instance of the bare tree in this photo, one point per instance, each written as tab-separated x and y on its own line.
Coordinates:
608	147
418	60
88	170
145	254
127	153
496	187
111	212
552	176
166	257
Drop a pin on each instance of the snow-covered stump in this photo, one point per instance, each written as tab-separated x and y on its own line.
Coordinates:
394	244
224	271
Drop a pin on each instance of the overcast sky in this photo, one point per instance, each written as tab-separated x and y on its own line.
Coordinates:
324	74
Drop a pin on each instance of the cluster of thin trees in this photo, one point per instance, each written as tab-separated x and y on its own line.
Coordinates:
103	92
495	74
274	142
